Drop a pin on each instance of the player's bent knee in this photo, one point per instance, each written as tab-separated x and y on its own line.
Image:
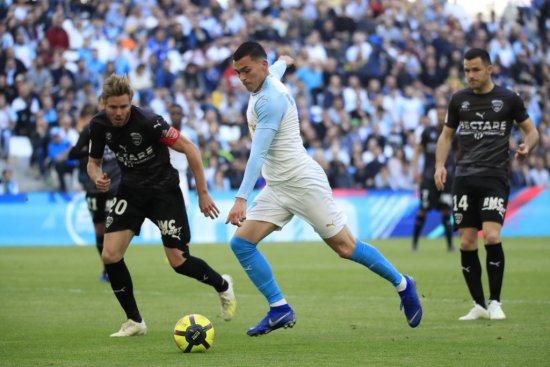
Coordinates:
491	238
345	252
110	257
342	248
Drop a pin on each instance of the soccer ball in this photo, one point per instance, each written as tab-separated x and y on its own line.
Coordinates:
194	333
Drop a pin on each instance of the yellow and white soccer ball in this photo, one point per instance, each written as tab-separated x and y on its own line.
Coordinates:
194	333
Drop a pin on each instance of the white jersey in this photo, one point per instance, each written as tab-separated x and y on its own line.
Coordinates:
287	160
296	184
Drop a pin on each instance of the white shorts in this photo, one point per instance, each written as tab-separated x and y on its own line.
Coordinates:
314	204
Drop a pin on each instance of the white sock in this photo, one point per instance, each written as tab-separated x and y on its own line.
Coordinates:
403	285
278	303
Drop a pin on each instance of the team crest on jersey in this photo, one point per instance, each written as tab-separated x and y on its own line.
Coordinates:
497	105
136	138
108	137
465	106
458	218
108	221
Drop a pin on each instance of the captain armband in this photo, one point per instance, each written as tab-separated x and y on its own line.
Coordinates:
171	137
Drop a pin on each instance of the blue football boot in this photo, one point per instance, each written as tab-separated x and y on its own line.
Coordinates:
410	303
277	317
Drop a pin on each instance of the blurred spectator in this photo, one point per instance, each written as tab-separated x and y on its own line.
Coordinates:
84	75
25	106
339	176
56	35
519	173
7	122
164	78
538	174
60	69
67	130
382	179
39	74
142	81
220	181
8	186
39	141
58	150
399	174
11	67
23	49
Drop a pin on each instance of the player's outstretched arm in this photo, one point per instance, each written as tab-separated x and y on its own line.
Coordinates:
442	151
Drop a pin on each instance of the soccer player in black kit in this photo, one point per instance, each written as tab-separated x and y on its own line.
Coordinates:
98	202
149	189
482	115
430	196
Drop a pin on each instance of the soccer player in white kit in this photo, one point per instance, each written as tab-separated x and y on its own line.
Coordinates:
296	185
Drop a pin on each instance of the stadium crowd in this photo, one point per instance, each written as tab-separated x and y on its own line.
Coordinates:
369	76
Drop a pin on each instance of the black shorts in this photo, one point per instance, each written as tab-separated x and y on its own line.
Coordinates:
99	204
479	199
164	208
432	198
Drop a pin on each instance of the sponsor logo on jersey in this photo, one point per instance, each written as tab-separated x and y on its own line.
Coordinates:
494	203
131	159
482	128
497	104
108	137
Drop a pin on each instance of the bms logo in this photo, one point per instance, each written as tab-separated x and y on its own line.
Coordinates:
494	203
78	221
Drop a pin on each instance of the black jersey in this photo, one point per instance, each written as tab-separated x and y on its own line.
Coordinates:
484	123
428	141
109	165
144	160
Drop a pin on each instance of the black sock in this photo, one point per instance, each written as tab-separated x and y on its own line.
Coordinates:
121	283
471	269
446	219
99	246
198	269
418	224
495	269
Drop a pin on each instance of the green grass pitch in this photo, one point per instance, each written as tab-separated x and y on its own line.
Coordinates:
55	312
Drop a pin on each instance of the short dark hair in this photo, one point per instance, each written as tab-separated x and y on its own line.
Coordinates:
177	107
478	52
250	48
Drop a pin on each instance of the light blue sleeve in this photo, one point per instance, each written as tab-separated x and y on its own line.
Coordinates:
270	112
278	69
